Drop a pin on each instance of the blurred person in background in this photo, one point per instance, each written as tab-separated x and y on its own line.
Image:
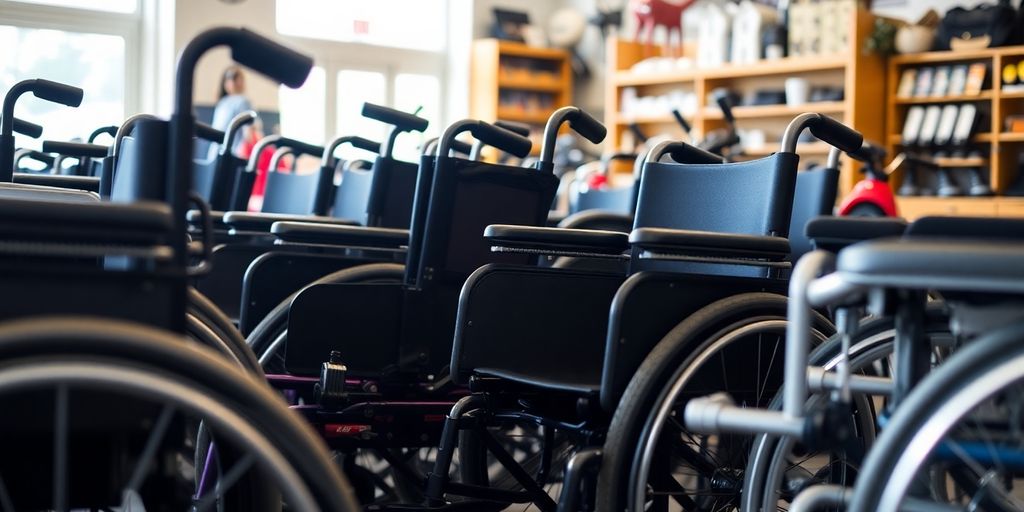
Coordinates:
231	103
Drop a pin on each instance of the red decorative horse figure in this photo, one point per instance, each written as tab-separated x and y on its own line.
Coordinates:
652	13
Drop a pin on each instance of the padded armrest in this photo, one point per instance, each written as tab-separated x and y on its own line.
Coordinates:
557	240
216	216
256	221
88	183
139	223
834	233
937	264
340	235
681	242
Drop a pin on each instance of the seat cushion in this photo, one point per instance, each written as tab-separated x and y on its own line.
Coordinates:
833	233
935	264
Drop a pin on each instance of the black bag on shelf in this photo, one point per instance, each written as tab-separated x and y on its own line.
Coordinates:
985	25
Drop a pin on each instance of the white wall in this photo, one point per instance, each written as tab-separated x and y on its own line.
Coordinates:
193	16
912	10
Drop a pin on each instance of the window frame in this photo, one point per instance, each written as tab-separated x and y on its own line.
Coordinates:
71	19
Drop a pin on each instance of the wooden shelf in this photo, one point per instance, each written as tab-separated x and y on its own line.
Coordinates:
515	91
982	96
752	112
519	116
787	66
551	86
1011	95
895	138
627	78
624	120
1011	137
912	208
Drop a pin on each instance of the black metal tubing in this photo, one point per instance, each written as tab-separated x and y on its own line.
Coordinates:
492	135
580	121
28	129
42	89
584	463
109	130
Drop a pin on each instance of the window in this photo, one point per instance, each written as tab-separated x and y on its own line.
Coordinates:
356	87
123	6
92	44
302	109
412	24
94	62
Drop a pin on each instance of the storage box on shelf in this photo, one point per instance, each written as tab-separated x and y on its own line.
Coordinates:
1001	149
860	76
515	82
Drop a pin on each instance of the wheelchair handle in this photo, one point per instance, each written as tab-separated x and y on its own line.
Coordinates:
430	147
823	127
258	148
207	132
234	127
682	121
683	153
75	149
355	141
580	121
868	153
276	61
402	121
109	130
247	48
26	128
282	151
517	128
491	135
42	89
722	99
34	155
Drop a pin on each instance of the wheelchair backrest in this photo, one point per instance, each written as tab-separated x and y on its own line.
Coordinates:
815	195
353	193
393	186
290	193
203	177
618	200
750	198
465	197
141	172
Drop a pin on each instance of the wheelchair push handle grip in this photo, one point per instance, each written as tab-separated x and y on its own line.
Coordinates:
681	121
207	132
109	130
299	147
503	139
276	61
464	148
74	149
57	92
867	152
402	121
28	129
587	126
365	144
723	103
837	134
514	127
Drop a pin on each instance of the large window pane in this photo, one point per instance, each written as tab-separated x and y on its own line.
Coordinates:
417	92
356	87
414	24
94	62
302	109
125	6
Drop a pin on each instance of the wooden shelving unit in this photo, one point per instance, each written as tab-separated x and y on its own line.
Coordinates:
861	77
1002	148
504	72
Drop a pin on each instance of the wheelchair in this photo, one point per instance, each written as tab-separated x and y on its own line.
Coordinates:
130	392
926	318
599	327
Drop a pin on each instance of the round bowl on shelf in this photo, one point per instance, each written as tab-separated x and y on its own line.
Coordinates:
914	38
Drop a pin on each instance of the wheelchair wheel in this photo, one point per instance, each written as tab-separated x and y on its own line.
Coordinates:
209	325
734	345
107	414
955	442
271	334
780	468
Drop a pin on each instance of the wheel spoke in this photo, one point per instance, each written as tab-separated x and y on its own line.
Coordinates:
60	450
149	451
230	478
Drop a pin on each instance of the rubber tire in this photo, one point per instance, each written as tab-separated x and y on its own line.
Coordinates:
675	350
140	345
965	365
207	312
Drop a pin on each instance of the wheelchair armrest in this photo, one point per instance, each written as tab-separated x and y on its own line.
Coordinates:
340	235
729	248
557	241
834	233
216	216
87	183
262	222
